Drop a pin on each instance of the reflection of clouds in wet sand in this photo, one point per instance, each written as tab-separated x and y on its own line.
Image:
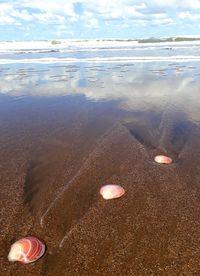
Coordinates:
162	106
138	87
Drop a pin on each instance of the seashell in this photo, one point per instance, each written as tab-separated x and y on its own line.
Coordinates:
111	191
162	159
26	250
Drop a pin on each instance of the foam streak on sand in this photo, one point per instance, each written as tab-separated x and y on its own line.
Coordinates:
74	227
60	193
79	172
66	237
102	59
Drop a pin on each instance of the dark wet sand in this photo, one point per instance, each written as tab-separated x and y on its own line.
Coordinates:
56	154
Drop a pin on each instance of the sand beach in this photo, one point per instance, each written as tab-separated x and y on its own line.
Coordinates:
67	128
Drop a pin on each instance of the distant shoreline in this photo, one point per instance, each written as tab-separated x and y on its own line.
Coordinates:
168	39
55	41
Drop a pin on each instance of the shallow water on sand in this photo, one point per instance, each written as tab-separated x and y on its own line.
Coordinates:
142	95
66	129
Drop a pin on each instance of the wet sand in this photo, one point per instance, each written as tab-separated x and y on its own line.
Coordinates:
56	153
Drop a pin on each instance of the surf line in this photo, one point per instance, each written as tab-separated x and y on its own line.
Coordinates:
102	59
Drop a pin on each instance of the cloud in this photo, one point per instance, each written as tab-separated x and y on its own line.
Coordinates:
23	15
82	15
7	20
4	7
92	23
189	16
49	18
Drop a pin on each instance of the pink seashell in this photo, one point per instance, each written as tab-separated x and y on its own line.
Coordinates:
162	159
26	250
111	191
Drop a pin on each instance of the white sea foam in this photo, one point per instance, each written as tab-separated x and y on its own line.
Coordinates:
35	51
82	44
135	51
177	58
30	45
96	49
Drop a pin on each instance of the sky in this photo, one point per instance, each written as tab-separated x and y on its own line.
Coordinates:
90	19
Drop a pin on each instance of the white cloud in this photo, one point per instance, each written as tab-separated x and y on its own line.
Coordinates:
192	4
7	20
131	11
141	6
189	16
24	15
5	7
95	14
49	17
92	23
159	16
165	21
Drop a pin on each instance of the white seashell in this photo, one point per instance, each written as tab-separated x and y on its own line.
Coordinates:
162	159
111	191
26	250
